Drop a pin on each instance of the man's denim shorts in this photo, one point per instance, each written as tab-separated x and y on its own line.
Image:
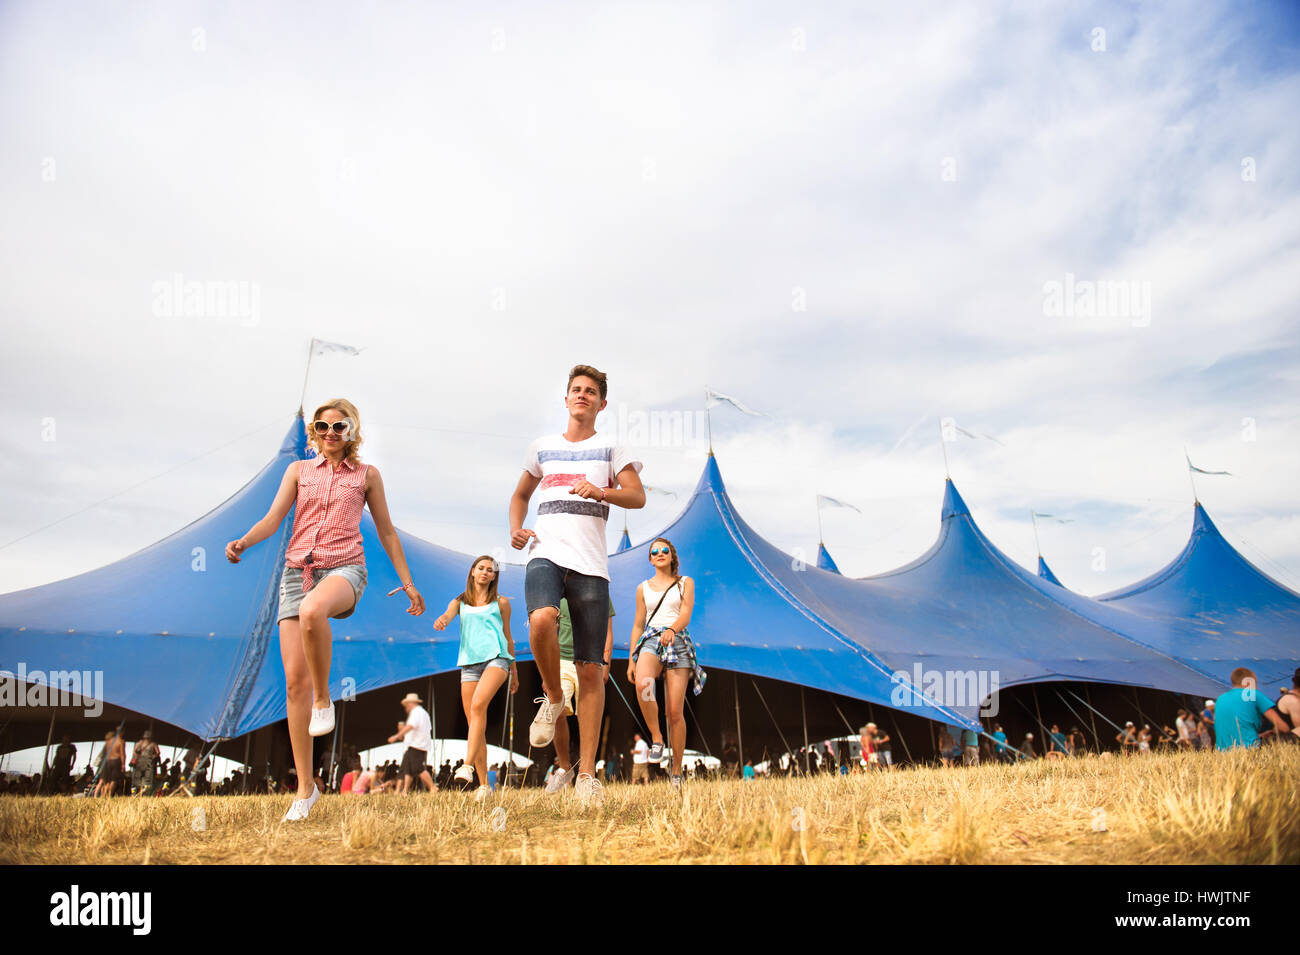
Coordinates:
291	594
546	582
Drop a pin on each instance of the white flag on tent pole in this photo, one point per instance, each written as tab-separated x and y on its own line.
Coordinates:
320	347
1059	520
715	398
824	501
950	427
1195	470
659	490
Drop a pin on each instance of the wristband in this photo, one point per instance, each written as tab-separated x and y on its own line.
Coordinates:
602	495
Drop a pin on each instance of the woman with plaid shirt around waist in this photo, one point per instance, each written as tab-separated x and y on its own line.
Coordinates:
325	571
661	643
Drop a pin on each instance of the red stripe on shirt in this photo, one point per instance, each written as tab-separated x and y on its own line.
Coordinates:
562	480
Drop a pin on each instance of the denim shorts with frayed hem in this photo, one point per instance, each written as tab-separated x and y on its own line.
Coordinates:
291	593
546	582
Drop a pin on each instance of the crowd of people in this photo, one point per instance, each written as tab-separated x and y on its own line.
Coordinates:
1242	716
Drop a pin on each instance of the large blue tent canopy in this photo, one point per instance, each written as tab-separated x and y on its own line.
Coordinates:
1216	610
183	636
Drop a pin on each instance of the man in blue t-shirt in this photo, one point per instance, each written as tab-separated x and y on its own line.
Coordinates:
1239	712
1002	751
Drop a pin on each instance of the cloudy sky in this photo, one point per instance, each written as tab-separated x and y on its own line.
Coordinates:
857	219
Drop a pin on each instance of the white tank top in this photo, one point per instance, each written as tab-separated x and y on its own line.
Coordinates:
667	613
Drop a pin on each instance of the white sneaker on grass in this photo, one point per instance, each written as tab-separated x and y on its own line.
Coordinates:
589	790
322	721
484	792
465	774
542	730
300	807
559	779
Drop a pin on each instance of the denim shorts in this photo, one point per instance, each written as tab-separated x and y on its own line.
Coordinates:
291	594
649	643
546	582
474	672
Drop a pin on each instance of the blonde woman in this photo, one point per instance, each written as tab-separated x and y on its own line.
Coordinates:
487	657
324	573
661	644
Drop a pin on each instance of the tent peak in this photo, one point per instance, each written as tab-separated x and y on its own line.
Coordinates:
953	505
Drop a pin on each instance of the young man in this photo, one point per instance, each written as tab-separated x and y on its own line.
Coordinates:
563	773
1239	712
417	730
580	474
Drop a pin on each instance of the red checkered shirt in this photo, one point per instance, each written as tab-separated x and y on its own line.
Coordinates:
327	517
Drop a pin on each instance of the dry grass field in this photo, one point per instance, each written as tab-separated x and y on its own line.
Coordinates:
1234	807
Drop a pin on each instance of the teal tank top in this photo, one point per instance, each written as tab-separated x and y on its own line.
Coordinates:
482	634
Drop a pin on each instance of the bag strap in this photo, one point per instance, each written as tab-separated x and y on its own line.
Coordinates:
662	597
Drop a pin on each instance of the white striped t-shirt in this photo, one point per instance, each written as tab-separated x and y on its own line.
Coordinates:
571	529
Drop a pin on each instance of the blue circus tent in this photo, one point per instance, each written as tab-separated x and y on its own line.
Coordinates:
624	542
749	619
964	607
1215	610
183	636
1045	572
824	560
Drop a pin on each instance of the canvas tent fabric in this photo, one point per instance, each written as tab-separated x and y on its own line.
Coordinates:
1216	610
1046	572
962	608
824	560
185	637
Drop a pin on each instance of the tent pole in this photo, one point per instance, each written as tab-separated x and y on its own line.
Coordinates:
45	772
248	739
334	744
807	756
311	349
433	729
740	740
1092	717
1047	743
511	758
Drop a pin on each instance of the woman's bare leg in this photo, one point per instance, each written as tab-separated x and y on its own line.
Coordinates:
476	744
675	699
297	686
331	596
648	666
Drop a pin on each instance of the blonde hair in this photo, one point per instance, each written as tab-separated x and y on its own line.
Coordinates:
348	409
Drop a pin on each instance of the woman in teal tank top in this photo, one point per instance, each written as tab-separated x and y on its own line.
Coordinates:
487	657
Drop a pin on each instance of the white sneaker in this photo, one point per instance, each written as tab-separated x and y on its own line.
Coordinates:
298	811
559	779
589	790
542	730
484	792
465	774
322	721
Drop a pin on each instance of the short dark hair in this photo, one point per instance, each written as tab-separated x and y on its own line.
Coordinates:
586	371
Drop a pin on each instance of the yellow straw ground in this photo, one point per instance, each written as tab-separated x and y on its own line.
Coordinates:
1232	807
